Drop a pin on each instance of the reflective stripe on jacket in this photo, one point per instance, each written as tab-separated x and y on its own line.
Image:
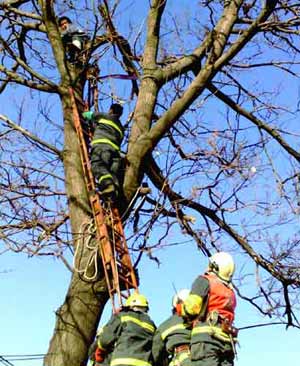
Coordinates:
180	328
171	333
108	130
213	331
105	141
130	335
112	124
143	324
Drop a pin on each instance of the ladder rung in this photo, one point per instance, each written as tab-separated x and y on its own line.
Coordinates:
120	265
119	248
125	280
124	266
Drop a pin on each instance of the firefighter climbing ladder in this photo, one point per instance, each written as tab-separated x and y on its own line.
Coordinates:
119	272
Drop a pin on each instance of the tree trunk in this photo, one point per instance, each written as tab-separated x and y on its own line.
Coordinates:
77	319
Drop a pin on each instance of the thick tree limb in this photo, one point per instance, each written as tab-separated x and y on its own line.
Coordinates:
22	13
247	35
26	67
13	3
53	33
222	30
8	79
145	103
14	77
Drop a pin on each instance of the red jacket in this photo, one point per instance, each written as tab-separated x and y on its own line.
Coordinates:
221	298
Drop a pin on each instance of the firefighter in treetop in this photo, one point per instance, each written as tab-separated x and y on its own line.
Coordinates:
129	333
211	309
74	40
105	152
171	341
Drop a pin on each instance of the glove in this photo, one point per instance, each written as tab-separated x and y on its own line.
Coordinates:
99	355
88	115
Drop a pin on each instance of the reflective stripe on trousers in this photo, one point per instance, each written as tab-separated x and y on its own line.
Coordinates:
129	361
179	358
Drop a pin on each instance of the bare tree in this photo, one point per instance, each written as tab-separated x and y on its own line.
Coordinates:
214	132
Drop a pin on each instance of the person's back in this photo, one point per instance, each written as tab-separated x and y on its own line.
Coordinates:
171	341
107	126
105	152
211	305
136	337
131	332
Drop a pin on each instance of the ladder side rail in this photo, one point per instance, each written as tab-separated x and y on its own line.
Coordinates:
126	259
114	254
115	251
102	233
119	247
88	176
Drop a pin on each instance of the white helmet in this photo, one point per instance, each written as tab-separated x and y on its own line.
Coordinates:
223	265
180	297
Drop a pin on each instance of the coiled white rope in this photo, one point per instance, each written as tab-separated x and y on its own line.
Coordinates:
87	240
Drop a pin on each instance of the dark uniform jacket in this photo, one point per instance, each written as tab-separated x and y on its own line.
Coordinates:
171	333
107	130
131	334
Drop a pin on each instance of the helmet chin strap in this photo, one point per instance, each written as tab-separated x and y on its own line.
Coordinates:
213	270
139	309
213	266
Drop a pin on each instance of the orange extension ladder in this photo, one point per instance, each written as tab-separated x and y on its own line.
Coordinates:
119	273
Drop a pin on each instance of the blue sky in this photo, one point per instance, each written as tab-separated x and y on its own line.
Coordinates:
32	289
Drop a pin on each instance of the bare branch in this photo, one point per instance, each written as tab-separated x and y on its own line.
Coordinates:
259	123
31	136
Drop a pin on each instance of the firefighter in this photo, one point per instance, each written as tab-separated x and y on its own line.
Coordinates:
129	333
211	306
105	152
74	39
171	341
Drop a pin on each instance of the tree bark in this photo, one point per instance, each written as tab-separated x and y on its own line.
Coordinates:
77	319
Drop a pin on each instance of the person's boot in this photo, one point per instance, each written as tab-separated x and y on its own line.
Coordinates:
106	187
108	190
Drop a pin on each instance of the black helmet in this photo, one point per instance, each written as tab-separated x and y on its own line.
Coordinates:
61	19
117	109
